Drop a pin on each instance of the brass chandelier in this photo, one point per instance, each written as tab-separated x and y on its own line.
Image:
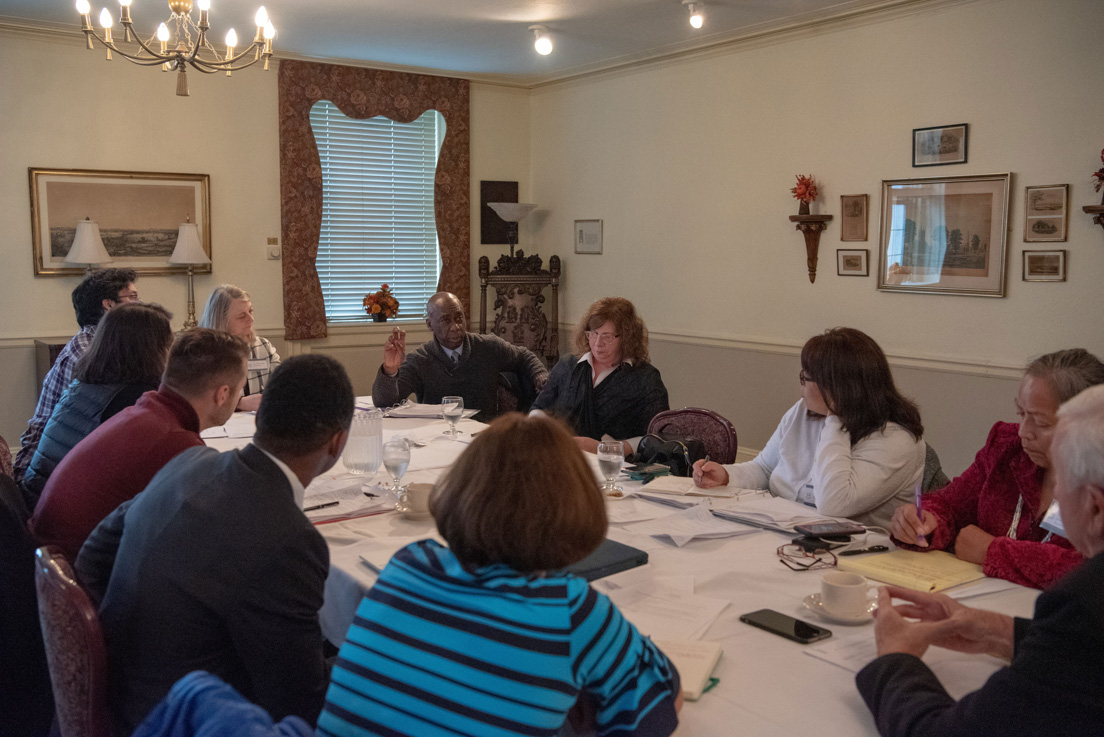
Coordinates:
186	45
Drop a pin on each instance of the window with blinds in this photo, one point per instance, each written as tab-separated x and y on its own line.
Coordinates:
378	225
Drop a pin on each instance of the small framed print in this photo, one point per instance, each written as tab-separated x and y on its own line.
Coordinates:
854	209
1046	213
944	144
853	262
588	236
1044	265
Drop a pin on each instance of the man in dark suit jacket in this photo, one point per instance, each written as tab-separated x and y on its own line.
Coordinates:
215	567
1054	684
456	363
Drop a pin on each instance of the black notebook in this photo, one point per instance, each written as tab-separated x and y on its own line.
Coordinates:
610	557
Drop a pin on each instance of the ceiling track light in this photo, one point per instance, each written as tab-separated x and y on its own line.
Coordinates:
542	41
697	18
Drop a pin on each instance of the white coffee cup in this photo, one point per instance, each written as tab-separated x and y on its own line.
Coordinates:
845	594
416	499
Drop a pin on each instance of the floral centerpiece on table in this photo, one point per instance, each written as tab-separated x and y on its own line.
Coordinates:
1098	176
382	304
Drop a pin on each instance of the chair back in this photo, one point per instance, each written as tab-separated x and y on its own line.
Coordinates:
75	647
934	478
716	433
519	283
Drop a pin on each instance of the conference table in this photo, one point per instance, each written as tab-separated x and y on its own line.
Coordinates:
767	685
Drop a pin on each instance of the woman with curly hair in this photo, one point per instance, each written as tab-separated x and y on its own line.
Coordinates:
607	388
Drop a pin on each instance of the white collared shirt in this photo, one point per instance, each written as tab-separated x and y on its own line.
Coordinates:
601	377
454	353
297	489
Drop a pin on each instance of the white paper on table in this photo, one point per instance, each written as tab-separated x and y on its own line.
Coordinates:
850	653
627	509
980	587
643	576
427	411
770	510
351	502
365	403
328	482
684	526
664	613
375	552
684	486
219	431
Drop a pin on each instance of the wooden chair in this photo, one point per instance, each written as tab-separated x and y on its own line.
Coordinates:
519	283
75	648
716	433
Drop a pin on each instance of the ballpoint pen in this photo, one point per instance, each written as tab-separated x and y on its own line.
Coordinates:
920	538
320	506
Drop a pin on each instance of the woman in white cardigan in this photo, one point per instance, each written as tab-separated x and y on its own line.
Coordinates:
852	446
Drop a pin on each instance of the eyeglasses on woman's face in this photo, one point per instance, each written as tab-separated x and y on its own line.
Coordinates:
802	377
601	338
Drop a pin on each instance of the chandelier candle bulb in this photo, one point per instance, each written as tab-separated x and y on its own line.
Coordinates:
124	18
204	8
231	42
106	22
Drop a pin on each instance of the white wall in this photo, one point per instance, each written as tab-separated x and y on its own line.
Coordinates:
62	106
689	164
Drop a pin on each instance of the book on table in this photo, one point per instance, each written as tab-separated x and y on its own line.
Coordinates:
607	559
695	661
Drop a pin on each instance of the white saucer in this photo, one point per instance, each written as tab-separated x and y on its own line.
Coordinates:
813	604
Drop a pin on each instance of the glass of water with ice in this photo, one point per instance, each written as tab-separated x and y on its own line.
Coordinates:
365	445
452	409
610	457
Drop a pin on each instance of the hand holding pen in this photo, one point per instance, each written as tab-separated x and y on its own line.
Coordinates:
912	524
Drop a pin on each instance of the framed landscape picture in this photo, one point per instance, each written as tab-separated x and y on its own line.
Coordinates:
1044	265
854	216
944	144
1046	213
139	214
944	235
852	262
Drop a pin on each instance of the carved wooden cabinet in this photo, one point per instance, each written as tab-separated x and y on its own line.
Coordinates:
519	284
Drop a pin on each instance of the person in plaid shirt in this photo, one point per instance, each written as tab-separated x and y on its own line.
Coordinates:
94	296
230	310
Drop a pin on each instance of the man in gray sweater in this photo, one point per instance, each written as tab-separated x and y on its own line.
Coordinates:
454	363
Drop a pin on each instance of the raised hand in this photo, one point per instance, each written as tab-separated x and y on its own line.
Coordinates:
394	351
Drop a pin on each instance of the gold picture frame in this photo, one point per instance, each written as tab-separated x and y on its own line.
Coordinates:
139	214
854	216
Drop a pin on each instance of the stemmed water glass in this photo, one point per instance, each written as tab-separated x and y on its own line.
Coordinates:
610	457
396	459
452	409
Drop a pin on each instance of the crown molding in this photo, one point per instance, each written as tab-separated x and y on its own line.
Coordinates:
854	14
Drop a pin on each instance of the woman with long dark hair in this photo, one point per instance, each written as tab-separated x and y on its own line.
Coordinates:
852	446
125	361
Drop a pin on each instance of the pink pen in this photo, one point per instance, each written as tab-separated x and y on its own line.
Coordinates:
921	539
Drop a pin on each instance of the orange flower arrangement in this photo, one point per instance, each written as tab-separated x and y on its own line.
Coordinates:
806	189
1098	175
382	302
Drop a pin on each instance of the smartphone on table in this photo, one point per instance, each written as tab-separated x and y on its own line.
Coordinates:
833	531
788	627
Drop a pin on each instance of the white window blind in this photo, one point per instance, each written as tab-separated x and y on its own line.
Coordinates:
378	225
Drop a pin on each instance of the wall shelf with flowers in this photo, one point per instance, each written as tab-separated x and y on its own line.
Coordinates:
811	226
1097	211
381	304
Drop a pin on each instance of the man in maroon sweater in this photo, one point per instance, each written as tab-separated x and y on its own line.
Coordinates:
202	383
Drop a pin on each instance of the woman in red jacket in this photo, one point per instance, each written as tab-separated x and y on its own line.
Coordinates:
990	514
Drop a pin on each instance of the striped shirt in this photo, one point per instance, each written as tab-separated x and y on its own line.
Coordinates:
438	650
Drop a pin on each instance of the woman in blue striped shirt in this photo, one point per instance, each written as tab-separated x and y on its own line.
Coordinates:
488	637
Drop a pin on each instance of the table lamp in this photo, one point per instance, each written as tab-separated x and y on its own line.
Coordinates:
189	251
88	247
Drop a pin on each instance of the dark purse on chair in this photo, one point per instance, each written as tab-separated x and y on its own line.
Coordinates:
678	454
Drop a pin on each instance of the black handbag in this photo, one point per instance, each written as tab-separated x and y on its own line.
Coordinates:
678	454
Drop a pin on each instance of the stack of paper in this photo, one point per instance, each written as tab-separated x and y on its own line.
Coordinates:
348	491
240	425
668	613
684	526
930	571
770	512
428	411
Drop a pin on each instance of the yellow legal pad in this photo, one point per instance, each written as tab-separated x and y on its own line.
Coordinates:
933	571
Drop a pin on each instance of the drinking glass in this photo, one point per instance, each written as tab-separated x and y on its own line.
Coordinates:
365	444
396	458
610	457
452	408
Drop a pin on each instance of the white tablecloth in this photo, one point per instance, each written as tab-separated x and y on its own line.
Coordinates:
768	685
